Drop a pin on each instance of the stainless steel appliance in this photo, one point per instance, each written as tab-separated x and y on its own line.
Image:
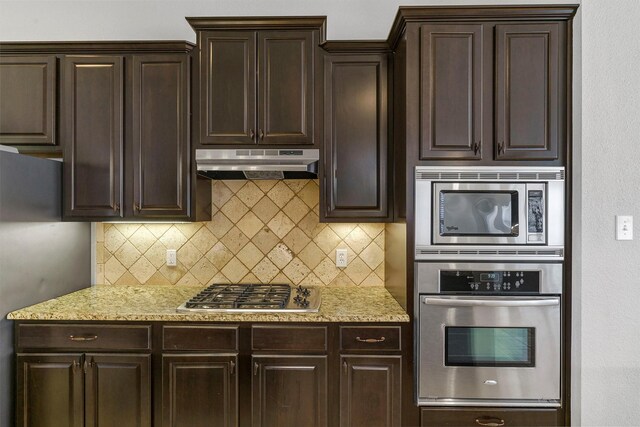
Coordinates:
271	298
40	256
488	334
249	163
485	213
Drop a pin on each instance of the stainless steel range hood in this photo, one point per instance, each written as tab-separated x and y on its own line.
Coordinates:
270	163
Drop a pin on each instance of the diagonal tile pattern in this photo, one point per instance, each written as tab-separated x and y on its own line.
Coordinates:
266	231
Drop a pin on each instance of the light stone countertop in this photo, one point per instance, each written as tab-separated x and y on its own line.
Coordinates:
158	303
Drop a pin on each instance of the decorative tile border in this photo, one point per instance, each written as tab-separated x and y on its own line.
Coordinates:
261	231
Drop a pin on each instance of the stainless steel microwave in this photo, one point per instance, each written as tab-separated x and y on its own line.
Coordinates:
489	213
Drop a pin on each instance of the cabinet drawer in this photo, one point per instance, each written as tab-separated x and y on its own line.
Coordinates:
374	338
479	417
302	338
85	337
219	338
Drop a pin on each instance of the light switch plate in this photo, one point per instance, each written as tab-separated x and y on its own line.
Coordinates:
341	258
172	258
624	227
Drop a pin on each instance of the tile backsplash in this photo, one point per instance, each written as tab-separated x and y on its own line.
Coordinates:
261	231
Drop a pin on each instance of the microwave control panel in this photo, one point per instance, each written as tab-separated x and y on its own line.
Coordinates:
489	282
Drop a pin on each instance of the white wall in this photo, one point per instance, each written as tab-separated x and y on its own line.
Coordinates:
607	316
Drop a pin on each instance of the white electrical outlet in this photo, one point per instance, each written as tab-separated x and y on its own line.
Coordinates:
624	227
172	258
341	257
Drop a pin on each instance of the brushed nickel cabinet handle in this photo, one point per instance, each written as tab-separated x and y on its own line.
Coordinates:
232	366
261	135
255	368
370	340
501	147
75	365
116	207
344	365
136	206
489	421
83	337
252	134
476	148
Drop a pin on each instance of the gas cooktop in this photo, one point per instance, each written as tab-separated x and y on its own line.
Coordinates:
272	298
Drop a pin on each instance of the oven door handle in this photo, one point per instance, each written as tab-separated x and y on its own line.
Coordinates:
492	303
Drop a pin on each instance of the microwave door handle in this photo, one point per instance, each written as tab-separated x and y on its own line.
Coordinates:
491	303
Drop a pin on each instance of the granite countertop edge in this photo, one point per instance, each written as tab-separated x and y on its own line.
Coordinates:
349	304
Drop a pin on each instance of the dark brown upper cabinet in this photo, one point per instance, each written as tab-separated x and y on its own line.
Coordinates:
92	128
451	91
257	80
125	126
355	182
480	85
528	91
161	149
28	86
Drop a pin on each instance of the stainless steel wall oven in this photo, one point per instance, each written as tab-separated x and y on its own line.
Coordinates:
488	334
489	213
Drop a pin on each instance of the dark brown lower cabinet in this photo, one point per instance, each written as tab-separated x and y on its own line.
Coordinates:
91	390
199	390
458	417
289	391
370	391
50	390
117	390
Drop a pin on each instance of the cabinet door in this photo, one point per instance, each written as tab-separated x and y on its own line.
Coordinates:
527	91
227	87
370	391
451	91
199	391
117	390
92	128
50	390
285	87
161	153
356	150
28	100
289	391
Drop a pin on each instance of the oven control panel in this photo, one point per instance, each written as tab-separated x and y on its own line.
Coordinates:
489	282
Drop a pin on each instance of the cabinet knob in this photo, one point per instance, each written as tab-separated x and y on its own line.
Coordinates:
252	134
136	206
261	135
232	366
116	207
255	368
501	147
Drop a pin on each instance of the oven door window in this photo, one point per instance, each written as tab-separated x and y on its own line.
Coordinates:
485	346
478	213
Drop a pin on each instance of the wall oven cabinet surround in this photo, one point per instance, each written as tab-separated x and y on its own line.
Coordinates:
257	80
488	334
487	212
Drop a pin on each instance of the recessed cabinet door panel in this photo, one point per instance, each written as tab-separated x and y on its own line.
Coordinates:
289	391
27	100
92	129
161	152
450	91
228	91
285	82
50	390
356	137
527	91
199	391
370	391
117	390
